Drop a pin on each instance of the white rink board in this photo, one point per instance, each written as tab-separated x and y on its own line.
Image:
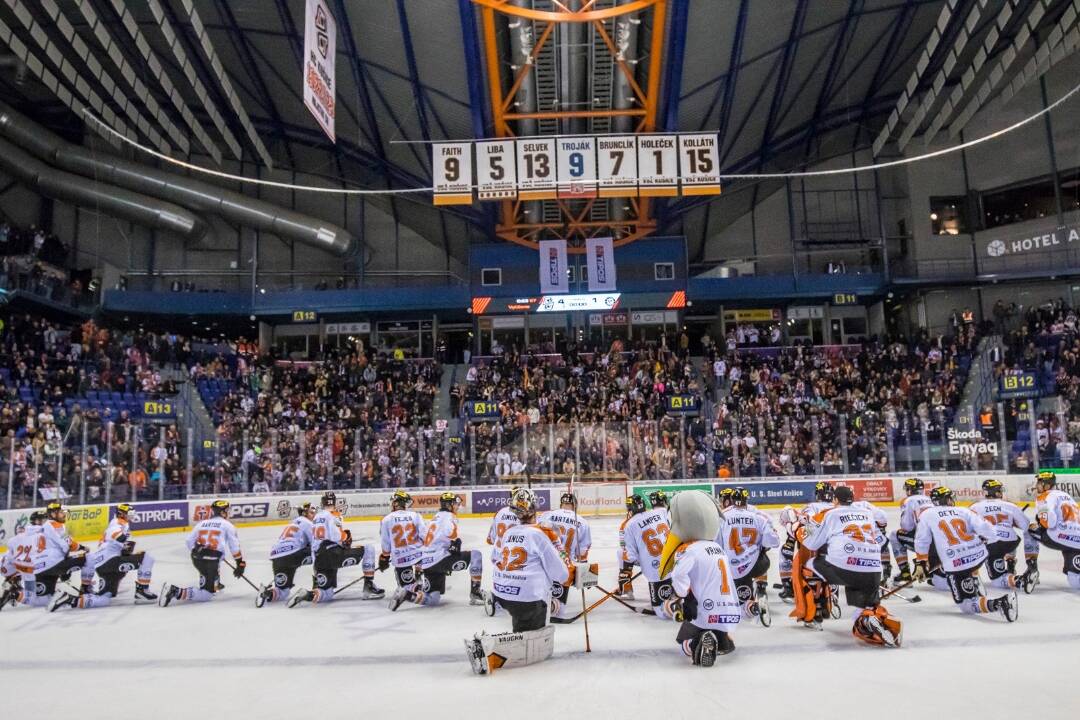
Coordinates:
349	659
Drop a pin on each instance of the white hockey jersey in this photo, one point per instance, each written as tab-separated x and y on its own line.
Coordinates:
910	510
958	535
643	540
327	526
743	534
441	531
1058	513
575	537
58	544
297	536
1006	517
23	550
849	536
112	540
216	534
403	533
702	568
527	562
503	519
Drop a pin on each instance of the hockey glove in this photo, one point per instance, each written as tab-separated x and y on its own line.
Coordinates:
240	567
346	537
455	545
689	608
922	571
129	548
384	562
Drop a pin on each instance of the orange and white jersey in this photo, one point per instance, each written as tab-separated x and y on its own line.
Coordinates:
644	536
23	550
58	544
880	518
814	508
503	519
910	510
703	568
403	533
958	535
1006	517
848	535
441	531
743	534
113	539
296	536
575	537
527	562
327	526
216	534
1058	513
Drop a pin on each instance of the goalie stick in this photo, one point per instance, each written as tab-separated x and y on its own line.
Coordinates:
605	598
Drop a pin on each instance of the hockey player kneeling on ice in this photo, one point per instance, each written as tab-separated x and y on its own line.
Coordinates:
442	555
17	564
292	549
332	543
504	519
57	557
1008	520
903	539
114	558
528	562
746	535
644	535
791	519
575	539
208	542
1057	524
703	597
848	548
954	538
402	533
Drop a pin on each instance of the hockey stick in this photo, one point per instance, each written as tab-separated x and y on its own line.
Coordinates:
911	599
607	595
628	606
242	577
908	584
588	644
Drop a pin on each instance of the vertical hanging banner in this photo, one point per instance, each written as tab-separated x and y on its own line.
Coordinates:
699	161
577	166
616	158
600	254
553	276
496	170
451	173
536	169
658	165
320	46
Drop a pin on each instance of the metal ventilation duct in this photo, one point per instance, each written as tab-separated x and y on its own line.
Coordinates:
187	192
114	201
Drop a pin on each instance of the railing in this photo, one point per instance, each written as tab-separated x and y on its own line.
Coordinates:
186	280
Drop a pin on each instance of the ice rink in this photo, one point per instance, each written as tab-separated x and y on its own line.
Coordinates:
353	658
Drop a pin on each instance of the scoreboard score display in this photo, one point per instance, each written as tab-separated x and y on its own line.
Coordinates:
576	166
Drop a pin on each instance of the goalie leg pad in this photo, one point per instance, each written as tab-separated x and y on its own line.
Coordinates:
513	649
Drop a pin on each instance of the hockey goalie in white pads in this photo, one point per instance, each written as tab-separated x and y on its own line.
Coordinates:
527	562
704	598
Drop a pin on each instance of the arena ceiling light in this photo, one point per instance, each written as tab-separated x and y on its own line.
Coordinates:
173	41
156	69
223	80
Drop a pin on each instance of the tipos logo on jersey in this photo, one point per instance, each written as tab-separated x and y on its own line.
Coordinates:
507	589
723	619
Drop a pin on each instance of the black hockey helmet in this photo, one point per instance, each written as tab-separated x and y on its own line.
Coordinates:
448	501
740	496
305	510
329	500
727	496
400	500
658	498
843	495
823	492
37	517
220	508
913	486
1046	478
568	498
942	495
993	488
635	504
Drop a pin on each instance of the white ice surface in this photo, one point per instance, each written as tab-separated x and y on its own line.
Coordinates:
355	659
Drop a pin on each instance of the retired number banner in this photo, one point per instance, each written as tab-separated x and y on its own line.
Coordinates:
451	171
699	164
496	170
320	44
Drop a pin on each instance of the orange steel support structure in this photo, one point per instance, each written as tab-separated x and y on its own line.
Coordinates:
573	226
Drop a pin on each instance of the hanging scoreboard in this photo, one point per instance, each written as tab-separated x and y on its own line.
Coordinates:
617	165
496	170
576	166
536	169
700	163
658	166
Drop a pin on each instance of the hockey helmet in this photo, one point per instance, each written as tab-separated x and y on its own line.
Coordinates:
568	499
635	504
993	488
1046	478
523	503
400	500
740	496
329	500
123	509
448	501
913	486
220	508
658	498
843	495
942	495
823	492
306	510
727	496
